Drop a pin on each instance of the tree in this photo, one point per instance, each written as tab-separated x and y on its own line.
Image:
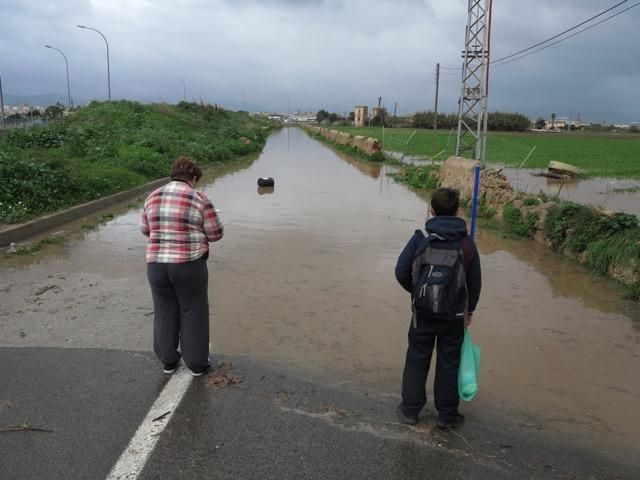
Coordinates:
553	121
540	123
53	112
322	115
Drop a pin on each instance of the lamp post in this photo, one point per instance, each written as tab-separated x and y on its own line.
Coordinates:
107	44
1	103
184	88
67	65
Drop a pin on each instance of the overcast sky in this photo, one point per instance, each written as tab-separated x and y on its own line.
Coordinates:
330	54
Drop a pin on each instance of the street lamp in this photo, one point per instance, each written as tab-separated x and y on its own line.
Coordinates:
184	88
1	103
67	65
107	44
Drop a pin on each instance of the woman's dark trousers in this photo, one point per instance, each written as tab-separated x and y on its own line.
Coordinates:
181	305
448	336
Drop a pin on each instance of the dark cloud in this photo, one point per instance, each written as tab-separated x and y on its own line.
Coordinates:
319	53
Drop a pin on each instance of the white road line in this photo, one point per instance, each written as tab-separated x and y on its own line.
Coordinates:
135	456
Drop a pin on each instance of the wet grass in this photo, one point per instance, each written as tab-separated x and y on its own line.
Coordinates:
105	148
424	176
107	217
609	242
22	250
599	155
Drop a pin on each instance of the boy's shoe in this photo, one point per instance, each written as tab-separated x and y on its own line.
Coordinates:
456	422
408	419
169	369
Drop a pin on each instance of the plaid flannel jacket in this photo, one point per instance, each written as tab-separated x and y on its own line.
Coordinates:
180	222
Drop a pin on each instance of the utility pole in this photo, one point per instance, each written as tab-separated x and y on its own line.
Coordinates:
435	110
1	103
472	106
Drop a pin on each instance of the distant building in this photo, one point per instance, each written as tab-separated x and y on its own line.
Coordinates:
379	112
559	123
360	115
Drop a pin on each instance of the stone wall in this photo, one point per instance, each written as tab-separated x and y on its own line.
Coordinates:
459	173
366	145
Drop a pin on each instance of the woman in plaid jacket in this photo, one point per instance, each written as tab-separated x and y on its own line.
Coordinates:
180	223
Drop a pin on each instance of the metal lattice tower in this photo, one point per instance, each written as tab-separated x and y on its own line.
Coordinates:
472	109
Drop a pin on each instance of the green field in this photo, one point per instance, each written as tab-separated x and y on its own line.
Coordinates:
605	155
105	148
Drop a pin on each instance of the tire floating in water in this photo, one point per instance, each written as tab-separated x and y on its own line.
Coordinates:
266	182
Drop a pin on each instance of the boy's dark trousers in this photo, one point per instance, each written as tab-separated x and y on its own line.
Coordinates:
448	337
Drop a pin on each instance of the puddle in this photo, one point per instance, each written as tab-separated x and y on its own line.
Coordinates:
304	276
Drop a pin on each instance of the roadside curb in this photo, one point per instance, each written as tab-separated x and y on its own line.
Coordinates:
14	233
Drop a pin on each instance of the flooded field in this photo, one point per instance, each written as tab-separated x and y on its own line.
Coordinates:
304	276
606	193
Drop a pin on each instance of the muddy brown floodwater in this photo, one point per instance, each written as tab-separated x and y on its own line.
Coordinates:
304	276
607	193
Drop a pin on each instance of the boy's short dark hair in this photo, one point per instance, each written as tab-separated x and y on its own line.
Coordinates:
445	201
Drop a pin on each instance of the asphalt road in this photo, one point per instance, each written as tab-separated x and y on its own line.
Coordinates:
275	422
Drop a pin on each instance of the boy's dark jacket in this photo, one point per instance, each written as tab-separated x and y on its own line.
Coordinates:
448	229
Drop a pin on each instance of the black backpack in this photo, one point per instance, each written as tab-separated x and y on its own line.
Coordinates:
439	282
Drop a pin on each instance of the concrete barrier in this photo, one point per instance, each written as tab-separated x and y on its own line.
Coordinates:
15	233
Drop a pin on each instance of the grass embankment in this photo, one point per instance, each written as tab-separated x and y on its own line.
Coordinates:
608	244
605	155
106	148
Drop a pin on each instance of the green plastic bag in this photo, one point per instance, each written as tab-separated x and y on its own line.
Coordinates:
469	368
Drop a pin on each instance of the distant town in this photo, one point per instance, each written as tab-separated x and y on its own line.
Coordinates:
26	114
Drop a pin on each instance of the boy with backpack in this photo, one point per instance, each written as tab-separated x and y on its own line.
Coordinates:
441	270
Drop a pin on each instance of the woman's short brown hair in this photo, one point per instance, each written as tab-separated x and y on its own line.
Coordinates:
185	168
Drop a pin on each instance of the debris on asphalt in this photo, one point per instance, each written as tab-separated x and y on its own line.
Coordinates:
25	427
46	288
160	417
338	411
220	377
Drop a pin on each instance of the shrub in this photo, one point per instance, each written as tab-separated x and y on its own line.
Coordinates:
516	223
424	176
573	227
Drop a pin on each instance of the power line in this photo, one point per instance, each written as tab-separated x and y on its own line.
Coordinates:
568	37
561	33
501	61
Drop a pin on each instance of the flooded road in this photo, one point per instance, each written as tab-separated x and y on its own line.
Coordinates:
304	276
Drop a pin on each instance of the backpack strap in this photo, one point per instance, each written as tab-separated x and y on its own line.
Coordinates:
465	246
